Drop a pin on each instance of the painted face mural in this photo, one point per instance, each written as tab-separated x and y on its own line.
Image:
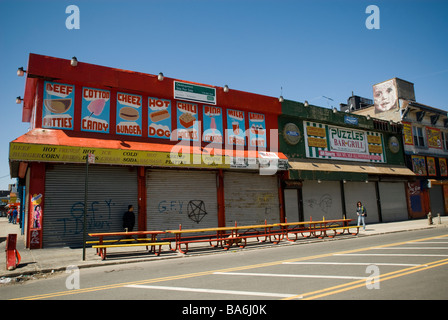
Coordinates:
385	96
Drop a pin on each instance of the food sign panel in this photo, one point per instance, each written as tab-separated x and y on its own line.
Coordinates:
129	117
236	128
212	122
257	127
187	121
58	110
95	114
159	118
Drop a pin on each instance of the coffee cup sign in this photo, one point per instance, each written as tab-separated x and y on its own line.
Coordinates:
95	114
129	120
159	111
58	109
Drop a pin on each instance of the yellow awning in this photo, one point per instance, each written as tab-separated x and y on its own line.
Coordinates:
359	167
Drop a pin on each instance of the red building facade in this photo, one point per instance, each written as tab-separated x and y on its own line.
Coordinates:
180	152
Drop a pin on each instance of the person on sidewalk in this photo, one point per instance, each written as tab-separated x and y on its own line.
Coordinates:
362	214
14	216
129	219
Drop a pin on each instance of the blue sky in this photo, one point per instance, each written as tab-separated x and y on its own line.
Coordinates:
310	48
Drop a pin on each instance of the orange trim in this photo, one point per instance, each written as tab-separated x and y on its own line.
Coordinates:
79	139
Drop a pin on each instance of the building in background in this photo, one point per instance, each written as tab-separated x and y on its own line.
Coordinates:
180	152
337	159
425	139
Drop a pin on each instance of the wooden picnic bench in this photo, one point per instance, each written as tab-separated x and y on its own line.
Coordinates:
311	228
126	240
344	229
224	237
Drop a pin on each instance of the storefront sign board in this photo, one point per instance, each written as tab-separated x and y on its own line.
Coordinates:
194	92
58	106
340	143
95	113
129	114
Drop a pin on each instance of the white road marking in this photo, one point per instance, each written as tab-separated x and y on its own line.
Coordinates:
359	263
425	242
288	275
234	292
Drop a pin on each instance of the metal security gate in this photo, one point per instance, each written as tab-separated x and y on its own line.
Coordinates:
292	205
184	197
111	190
250	198
393	201
436	200
321	200
364	192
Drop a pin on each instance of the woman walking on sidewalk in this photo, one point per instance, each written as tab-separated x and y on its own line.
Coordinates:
362	214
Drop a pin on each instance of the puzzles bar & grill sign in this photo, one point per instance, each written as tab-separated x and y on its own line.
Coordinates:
331	142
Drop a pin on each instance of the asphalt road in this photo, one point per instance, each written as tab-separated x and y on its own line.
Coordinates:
398	266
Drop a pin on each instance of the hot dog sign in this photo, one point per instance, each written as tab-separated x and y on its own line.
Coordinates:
129	120
159	118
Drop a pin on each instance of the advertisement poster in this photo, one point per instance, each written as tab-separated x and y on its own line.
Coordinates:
257	127
236	128
159	111
419	165
129	114
187	121
443	167
434	138
36	221
59	101
95	114
212	123
407	133
431	166
330	142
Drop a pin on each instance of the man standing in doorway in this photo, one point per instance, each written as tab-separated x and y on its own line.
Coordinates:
129	219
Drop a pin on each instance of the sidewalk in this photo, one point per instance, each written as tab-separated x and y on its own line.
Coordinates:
58	259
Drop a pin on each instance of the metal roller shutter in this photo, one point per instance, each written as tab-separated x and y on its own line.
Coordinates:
250	198
111	190
184	197
393	201
291	205
436	200
321	200
364	192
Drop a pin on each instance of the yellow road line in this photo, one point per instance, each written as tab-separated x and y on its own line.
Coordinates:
205	273
362	283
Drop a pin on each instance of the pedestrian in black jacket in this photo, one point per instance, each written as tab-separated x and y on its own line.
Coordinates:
129	219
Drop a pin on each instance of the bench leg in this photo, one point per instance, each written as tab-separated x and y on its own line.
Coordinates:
175	246
180	249
292	240
103	253
245	242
